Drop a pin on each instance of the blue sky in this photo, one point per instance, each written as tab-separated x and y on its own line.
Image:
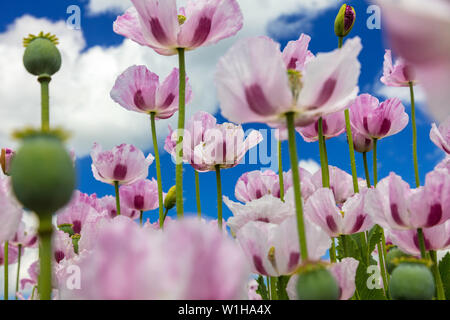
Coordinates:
394	152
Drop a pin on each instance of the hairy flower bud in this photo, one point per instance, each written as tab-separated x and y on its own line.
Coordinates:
345	20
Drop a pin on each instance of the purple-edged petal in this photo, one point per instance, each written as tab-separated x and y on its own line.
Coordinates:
244	90
345	273
321	209
128	25
209	21
296	54
441	135
159	22
356	218
331	80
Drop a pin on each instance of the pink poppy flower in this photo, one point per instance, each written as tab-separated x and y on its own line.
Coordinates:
159	25
141	195
108	203
194	134
398	74
394	205
256	184
267	209
10	213
341	183
33	272
441	136
252	288
6	156
436	238
138	89
444	164
62	246
327	84
13	254
225	146
361	142
26	238
350	219
78	210
210	267
296	54
273	250
377	120
345	274
420	34
124	164
333	126
307	185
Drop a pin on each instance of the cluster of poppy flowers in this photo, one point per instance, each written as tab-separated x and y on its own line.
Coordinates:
285	222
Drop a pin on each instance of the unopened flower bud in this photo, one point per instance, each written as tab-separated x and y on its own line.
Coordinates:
41	56
6	156
42	174
171	198
412	281
345	20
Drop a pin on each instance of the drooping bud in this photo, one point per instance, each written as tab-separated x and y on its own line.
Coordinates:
42	174
345	20
6	156
171	198
41	56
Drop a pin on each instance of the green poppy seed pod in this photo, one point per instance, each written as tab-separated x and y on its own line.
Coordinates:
41	56
392	257
317	284
171	198
345	21
412	281
42	174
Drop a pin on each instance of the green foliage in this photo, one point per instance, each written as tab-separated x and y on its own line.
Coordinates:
262	289
281	287
444	269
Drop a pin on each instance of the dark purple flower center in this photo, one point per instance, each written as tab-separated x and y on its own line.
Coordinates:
139	202
202	32
139	101
331	224
158	31
120	172
292	64
257	261
435	215
76	226
257	101
59	255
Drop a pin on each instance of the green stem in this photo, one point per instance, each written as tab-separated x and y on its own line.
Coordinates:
19	258
165	216
158	169
141	218
297	186
45	257
333	251
273	288
323	158
280	170
420	237
352	151
366	169
437	276
219	197
344	245
44	80
116	187
181	120
375	165
382	268
6	266
340	42
269	291
197	193
414	128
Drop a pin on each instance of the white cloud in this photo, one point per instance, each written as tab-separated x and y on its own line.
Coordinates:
309	165
399	92
80	91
